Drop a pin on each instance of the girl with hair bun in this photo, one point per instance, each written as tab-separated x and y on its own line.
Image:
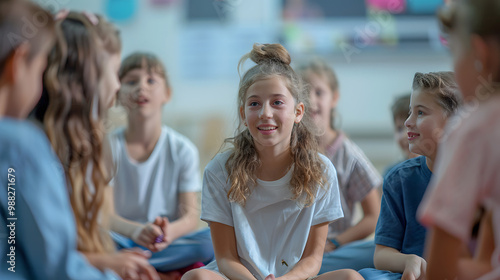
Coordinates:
270	197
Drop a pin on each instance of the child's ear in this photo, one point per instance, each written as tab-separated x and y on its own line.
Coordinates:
485	53
299	112
242	113
168	93
15	64
335	99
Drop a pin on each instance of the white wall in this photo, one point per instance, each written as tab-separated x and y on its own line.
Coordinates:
368	83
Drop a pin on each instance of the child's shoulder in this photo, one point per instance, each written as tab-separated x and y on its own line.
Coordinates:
220	160
327	163
175	139
349	145
349	149
217	166
406	169
23	137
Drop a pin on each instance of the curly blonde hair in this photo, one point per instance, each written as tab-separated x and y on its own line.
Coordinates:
273	60
74	120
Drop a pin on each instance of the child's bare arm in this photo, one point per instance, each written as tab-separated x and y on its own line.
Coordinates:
481	263
226	253
366	226
189	211
310	263
387	258
128	264
142	234
442	253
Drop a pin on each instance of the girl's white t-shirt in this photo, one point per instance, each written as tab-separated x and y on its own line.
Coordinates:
271	230
145	190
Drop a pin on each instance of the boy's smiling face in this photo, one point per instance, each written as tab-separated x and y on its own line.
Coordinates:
426	123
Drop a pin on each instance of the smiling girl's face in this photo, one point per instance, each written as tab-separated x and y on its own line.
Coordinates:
270	112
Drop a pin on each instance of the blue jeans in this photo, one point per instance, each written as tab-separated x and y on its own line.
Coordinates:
355	255
184	251
375	274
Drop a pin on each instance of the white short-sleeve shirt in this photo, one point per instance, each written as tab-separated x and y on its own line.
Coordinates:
145	190
271	229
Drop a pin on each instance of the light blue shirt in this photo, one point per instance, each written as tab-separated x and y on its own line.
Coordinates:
44	229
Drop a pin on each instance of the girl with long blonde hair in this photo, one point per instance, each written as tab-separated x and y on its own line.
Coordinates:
38	229
269	199
82	80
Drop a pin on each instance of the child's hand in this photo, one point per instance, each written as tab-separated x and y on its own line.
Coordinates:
415	268
147	235
270	277
132	264
162	241
329	246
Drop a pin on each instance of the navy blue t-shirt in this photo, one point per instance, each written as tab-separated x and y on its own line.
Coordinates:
404	188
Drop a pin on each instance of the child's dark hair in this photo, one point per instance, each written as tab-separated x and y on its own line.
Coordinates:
467	17
443	86
14	17
143	60
400	107
273	60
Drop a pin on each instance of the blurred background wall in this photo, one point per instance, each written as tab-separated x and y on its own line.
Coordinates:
375	46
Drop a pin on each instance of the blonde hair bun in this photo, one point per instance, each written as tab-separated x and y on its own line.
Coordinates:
262	53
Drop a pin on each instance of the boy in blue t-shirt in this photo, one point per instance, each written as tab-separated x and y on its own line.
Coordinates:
397	226
399	237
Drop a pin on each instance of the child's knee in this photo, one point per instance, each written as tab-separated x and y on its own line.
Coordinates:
200	274
343	274
194	274
353	275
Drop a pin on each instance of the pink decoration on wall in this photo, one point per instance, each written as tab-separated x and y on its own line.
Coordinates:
392	6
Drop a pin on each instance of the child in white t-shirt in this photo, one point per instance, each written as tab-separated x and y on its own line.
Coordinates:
157	173
270	198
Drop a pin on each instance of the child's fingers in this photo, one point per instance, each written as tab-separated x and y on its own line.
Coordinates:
408	275
148	271
423	269
162	222
270	277
138	251
144	240
144	270
152	231
161	245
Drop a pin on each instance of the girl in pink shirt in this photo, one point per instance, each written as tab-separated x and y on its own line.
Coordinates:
467	172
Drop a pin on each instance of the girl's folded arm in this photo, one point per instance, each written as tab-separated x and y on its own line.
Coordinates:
226	253
310	263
